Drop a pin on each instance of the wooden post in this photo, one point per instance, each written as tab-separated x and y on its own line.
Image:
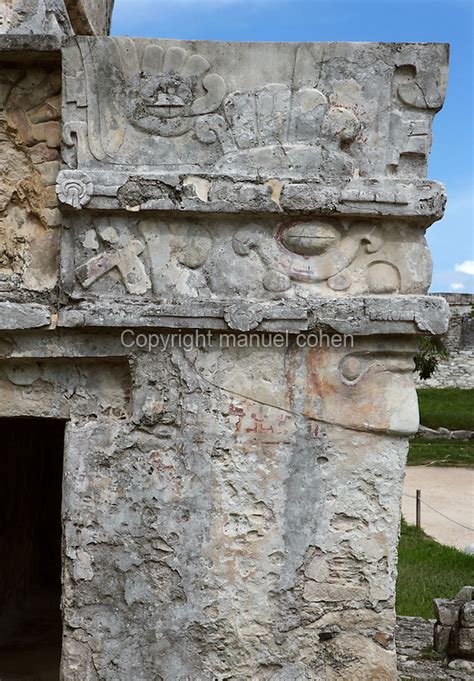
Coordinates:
418	507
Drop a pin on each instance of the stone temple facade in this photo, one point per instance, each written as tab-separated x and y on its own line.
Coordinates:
230	506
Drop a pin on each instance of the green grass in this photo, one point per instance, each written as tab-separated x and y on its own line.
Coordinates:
447	407
441	453
428	570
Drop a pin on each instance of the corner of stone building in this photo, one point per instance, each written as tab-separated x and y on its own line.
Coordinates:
230	510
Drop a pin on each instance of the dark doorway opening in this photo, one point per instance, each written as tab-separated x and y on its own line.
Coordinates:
31	465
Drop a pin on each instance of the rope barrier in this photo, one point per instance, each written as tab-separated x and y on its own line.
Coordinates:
471	529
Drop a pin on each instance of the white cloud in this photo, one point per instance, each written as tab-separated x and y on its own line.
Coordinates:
466	267
457	286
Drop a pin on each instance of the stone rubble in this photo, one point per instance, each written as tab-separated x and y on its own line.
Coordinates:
416	659
454	628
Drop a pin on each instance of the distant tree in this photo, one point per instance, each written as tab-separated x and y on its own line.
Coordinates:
430	351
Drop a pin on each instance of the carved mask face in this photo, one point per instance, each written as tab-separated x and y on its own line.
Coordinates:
310	238
163	104
171	90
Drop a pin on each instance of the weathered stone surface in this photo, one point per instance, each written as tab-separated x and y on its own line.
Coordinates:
465	594
90	17
24	48
56	17
43	17
261	593
28	316
465	642
231	505
416	660
190	133
348	316
447	610
463	666
467	614
442	634
215	256
61	388
30	137
251	127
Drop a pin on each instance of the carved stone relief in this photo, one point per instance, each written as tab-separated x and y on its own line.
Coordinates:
415	99
171	105
330	385
116	253
270	259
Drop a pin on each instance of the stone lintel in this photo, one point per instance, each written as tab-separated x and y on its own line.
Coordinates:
360	316
423	200
30	50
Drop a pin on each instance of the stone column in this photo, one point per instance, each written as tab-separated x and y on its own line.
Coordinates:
245	223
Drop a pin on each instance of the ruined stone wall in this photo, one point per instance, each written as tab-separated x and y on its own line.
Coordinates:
231	509
457	371
30	137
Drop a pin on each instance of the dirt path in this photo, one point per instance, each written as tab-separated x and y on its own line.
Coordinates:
448	490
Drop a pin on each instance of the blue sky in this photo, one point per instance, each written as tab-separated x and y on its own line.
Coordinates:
451	161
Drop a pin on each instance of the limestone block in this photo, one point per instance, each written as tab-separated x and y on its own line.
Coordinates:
447	610
467	614
47	17
462	666
465	638
27	316
56	17
442	635
466	594
90	17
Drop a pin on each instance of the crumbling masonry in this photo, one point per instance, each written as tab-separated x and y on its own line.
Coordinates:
230	511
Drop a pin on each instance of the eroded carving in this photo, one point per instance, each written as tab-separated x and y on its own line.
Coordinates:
122	254
310	250
74	188
196	248
268	259
242	317
383	277
165	93
416	97
170	105
276	129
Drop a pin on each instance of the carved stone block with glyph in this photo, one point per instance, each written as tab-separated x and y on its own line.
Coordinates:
325	145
